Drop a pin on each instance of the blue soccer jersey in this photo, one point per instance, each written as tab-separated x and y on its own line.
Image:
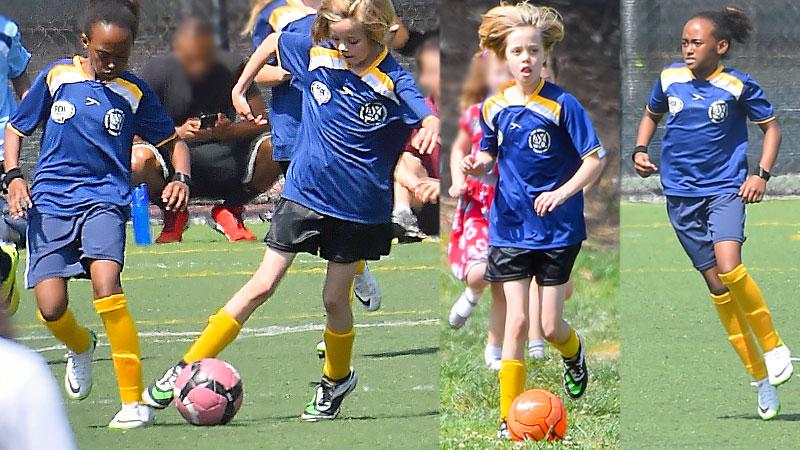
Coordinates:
286	101
14	60
539	146
85	151
704	149
353	130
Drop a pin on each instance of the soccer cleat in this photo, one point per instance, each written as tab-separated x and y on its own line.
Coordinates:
536	349
78	376
9	294
405	227
133	415
366	290
228	221
460	312
503	432
576	376
321	347
327	401
779	365
161	392
175	223
769	405
492	356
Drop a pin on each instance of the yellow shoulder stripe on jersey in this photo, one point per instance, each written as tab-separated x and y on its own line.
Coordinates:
675	75
62	74
127	90
763	121
492	107
284	15
325	57
728	82
16	131
601	152
380	82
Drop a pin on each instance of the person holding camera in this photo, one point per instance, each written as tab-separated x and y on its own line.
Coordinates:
231	161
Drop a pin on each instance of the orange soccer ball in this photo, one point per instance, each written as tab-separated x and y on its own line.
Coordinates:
537	415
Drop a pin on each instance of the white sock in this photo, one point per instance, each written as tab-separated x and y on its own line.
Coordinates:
463	306
401	207
536	348
492	353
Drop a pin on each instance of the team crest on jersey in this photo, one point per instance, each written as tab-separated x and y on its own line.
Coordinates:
539	140
718	111
113	121
320	92
61	111
675	105
373	113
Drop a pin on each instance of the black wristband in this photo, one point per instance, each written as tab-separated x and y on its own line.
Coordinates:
12	175
638	149
183	178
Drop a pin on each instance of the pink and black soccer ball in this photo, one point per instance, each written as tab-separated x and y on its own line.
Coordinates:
208	392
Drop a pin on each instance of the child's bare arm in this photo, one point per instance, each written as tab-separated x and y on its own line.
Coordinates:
587	173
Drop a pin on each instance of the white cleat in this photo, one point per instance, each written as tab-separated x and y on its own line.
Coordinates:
367	290
769	405
460	311
779	365
78	376
133	415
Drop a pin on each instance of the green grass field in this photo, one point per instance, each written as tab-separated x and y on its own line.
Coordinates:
172	289
684	386
469	390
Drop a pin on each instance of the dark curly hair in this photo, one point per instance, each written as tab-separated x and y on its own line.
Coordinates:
124	13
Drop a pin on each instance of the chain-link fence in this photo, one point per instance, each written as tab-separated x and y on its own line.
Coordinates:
50	30
651	32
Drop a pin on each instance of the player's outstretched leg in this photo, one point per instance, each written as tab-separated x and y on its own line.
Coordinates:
338	378
225	324
564	339
366	288
748	297
511	375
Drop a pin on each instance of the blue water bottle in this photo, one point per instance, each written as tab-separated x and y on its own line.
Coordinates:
140	214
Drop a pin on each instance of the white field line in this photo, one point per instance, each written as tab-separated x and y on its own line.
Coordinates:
163	337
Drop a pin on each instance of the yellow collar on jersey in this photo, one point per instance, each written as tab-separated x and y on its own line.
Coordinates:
372	76
61	74
544	106
718	78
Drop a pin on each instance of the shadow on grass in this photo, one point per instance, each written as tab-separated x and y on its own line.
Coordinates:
61	362
779	418
409	352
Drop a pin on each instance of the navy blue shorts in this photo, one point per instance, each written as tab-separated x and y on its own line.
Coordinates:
62	246
701	222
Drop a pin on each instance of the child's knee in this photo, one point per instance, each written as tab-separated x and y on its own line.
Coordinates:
106	287
518	326
51	313
551	329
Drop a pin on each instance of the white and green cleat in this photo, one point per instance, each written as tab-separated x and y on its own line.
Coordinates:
769	405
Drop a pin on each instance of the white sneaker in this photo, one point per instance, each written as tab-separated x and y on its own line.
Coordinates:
769	405
536	349
367	290
779	365
78	376
133	415
460	311
492	356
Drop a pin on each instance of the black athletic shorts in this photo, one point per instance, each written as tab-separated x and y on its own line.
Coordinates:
296	229
551	267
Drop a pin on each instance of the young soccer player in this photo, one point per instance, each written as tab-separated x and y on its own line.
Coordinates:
285	107
705	178
546	151
359	105
78	204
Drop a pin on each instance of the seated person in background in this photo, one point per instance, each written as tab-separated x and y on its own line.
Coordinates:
417	176
230	161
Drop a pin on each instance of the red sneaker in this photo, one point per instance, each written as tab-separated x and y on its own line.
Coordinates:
174	224
228	221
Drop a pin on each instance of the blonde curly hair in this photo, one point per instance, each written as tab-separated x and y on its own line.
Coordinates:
501	20
376	16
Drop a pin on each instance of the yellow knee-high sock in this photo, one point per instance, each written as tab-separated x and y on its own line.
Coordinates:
338	353
512	383
360	267
739	335
748	297
67	330
124	343
221	330
570	347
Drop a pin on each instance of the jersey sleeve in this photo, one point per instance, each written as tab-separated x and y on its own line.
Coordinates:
759	109
294	52
413	103
658	102
151	120
34	108
18	56
262	29
579	127
489	141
